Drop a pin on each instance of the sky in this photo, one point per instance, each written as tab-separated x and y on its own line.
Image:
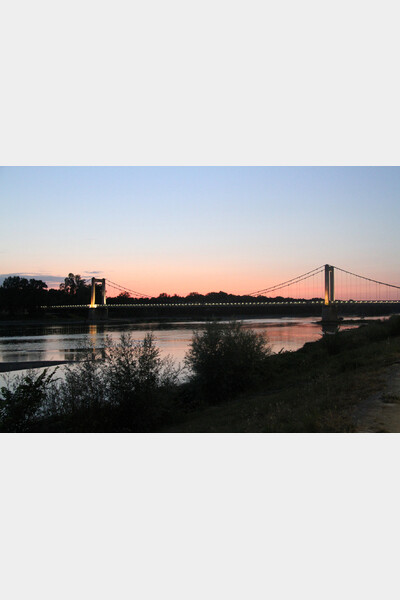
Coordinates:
198	229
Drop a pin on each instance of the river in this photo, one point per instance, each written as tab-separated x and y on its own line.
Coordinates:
65	342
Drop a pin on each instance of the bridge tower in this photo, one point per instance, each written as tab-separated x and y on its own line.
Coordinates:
329	310
98	312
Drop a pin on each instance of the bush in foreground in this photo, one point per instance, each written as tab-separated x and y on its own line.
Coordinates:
226	359
22	399
126	386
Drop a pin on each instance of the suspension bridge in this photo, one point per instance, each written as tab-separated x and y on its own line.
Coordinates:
326	285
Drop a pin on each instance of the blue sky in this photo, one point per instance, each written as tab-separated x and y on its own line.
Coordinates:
183	229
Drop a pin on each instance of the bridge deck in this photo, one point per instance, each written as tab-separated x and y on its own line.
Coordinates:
205	304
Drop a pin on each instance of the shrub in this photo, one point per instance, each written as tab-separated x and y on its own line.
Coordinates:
136	366
225	359
22	399
137	379
122	387
82	389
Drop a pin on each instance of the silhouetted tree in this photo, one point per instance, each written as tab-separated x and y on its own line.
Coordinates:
163	297
72	284
217	296
226	359
20	294
77	287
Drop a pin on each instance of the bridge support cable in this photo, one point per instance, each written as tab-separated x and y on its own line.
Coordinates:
122	288
289	283
365	289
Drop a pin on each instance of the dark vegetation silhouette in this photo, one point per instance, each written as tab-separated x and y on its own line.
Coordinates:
76	288
20	296
226	358
128	386
233	383
23	401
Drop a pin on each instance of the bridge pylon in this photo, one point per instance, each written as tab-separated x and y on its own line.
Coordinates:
329	309
98	312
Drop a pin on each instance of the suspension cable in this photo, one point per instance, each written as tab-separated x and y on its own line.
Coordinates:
290	281
125	289
368	278
279	287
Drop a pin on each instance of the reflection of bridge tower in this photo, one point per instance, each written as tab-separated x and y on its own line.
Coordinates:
329	312
98	312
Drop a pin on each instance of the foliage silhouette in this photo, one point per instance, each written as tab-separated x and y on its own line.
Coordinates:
22	399
20	294
72	284
226	359
123	387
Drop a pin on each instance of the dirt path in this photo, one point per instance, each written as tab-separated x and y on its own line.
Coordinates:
380	413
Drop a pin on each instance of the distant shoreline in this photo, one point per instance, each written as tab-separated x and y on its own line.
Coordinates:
43	322
144	319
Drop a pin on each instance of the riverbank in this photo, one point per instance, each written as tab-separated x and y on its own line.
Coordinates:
6	367
346	382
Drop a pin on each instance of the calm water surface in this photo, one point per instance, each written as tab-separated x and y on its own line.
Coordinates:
65	342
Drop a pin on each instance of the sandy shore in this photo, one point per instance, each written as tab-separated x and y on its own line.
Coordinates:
6	367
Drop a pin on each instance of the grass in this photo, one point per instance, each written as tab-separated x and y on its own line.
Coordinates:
316	389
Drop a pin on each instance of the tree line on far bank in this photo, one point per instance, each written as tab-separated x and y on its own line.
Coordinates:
19	295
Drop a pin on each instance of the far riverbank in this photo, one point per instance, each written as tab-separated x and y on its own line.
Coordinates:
168	314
